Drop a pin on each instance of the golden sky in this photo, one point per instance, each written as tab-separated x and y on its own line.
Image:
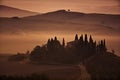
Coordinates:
88	6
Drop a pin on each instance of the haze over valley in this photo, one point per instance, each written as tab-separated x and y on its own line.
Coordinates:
24	33
59	39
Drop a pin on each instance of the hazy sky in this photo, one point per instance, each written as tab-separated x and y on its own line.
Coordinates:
89	6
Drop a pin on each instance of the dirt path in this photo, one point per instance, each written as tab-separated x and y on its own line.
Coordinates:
84	74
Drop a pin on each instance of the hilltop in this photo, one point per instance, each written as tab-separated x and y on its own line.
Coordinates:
7	11
63	20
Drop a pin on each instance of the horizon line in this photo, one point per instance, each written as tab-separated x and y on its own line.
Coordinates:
60	9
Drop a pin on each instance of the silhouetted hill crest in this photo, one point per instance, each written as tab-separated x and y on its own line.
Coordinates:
7	11
59	14
62	15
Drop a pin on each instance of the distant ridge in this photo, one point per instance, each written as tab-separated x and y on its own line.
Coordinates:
67	14
6	11
62	19
78	18
59	14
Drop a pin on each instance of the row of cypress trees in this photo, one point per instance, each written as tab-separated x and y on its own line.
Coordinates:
80	46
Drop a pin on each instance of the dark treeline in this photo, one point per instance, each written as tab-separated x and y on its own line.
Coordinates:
75	51
31	77
100	64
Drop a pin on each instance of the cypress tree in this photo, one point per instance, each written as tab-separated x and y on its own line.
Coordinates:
52	42
81	38
86	39
63	42
90	39
104	43
55	38
48	41
76	37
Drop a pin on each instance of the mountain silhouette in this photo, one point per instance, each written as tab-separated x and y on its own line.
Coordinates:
6	11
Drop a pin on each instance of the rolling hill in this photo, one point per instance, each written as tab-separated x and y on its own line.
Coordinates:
6	11
63	20
104	66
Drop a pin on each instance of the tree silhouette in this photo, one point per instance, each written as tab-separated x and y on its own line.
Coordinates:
36	53
91	40
81	38
81	48
104	43
63	42
76	37
86	39
55	38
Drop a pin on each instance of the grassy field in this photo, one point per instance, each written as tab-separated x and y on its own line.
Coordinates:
54	72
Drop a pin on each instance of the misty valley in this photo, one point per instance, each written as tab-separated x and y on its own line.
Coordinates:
82	56
59	45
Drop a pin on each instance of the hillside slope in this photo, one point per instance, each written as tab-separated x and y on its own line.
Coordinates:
6	11
105	66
